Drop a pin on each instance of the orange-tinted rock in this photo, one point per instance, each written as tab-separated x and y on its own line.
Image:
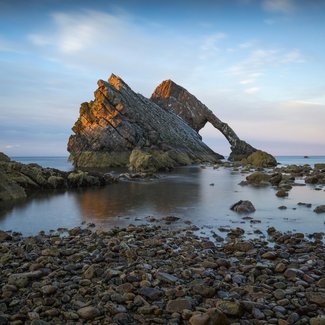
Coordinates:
119	121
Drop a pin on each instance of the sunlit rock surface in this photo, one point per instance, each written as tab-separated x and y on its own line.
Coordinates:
119	121
175	98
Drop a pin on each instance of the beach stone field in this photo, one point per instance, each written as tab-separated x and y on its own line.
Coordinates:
155	275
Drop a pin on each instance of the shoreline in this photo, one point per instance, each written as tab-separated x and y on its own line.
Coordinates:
149	275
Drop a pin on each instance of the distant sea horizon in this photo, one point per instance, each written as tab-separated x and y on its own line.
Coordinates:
62	162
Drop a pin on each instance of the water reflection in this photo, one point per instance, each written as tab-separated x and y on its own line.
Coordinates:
202	196
160	197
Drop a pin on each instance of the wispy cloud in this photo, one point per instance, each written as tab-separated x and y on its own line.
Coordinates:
282	6
258	63
12	146
210	45
252	90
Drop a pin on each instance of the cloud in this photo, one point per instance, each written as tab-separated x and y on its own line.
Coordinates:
210	45
252	90
247	45
282	6
247	81
12	146
260	62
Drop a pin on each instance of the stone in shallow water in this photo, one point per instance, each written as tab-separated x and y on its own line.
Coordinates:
320	209
243	207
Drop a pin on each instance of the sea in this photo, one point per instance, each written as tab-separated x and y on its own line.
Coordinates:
197	195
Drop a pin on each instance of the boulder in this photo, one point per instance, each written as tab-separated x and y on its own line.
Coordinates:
122	128
258	178
260	159
243	207
320	209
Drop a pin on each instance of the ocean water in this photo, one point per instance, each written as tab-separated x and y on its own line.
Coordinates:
202	196
63	163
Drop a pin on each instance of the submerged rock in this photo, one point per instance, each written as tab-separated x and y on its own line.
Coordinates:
121	128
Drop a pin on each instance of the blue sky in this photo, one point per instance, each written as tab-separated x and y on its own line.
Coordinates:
259	65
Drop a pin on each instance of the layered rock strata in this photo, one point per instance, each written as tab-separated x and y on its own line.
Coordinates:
122	128
178	100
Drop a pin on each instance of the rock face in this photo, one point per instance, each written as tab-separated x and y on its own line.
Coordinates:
175	98
119	121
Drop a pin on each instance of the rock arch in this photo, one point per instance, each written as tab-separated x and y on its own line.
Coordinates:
177	99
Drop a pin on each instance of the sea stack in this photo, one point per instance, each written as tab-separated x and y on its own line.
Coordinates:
122	128
178	100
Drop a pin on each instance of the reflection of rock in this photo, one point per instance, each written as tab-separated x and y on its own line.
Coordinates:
120	121
260	159
175	98
18	180
140	197
243	207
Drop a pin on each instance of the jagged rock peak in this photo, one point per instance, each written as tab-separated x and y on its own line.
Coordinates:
120	127
115	81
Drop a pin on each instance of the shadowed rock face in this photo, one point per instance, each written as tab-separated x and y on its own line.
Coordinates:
175	98
119	121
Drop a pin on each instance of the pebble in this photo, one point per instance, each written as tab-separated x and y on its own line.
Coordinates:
150	275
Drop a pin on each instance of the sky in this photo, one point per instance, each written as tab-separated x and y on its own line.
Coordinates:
259	65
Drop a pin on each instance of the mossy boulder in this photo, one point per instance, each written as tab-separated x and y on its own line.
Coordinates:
82	179
319	166
258	178
56	182
260	159
150	161
9	189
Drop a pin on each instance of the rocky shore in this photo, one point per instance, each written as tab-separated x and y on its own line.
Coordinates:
154	275
18	181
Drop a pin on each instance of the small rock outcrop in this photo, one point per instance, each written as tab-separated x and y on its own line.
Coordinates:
119	121
178	100
17	180
259	158
243	207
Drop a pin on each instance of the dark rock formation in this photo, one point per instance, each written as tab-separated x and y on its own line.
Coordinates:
120	121
243	207
175	98
18	180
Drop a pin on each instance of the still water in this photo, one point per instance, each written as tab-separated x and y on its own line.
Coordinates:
200	195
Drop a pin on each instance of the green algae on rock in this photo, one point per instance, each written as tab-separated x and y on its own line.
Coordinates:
260	158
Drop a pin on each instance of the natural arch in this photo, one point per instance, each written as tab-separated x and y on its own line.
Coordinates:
177	99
